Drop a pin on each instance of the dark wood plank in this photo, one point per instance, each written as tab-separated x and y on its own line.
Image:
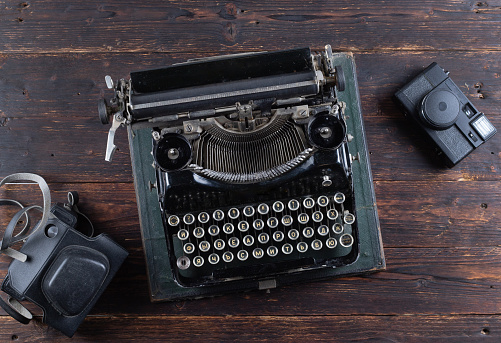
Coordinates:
65	85
48	26
67	149
71	149
412	214
420	280
423	214
62	100
440	227
266	328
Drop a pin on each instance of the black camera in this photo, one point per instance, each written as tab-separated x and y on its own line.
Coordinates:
58	268
434	101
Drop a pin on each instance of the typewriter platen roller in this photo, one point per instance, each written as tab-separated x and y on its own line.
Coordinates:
260	173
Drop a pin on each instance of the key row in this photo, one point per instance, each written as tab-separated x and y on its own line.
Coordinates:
263	238
278	236
184	261
263	209
273	222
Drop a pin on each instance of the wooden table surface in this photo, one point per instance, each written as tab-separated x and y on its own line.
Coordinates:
441	227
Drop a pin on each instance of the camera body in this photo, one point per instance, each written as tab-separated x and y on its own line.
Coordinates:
65	273
439	107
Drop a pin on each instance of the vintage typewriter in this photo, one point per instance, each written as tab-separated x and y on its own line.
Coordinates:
251	171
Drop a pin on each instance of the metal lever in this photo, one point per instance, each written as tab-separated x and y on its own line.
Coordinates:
118	120
109	82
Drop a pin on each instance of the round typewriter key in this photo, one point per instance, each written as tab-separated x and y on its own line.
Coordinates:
189	248
287	220
203	217
258	224
278	236
331	243
332	214
213	230
228	228
302	247
258	253
198	261
339	198
227	256
316	244
308	232
173	220
233	242
323	230
243	226
303	218
248	240
293	205
198	232
272	251
233	213
308	203
242	255
337	228
278	206
346	240
204	246
219	244
213	258
263	238
287	248
317	216
263	209
349	218
272	222
293	234
189	219
182	234
323	201
248	211
183	262
218	215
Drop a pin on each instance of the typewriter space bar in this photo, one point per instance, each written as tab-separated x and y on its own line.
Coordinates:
263	269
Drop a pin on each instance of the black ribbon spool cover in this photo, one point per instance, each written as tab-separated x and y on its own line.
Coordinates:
172	152
326	131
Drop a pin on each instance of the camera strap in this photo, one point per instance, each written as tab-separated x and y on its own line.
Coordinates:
12	306
8	239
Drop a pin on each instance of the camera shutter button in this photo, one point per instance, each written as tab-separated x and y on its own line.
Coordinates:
440	109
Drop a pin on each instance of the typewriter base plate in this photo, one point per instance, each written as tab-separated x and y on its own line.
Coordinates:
162	284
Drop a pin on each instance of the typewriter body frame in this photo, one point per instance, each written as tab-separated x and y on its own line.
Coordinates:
158	190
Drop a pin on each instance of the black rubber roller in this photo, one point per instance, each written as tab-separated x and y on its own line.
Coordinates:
340	80
102	109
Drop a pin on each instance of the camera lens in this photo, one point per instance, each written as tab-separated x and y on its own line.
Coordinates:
439	109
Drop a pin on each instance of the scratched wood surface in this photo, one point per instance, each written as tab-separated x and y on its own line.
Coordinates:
441	227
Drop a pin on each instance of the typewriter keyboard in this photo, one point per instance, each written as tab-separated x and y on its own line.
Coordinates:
239	241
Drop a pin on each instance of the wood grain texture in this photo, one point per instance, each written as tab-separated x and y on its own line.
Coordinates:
267	328
71	149
59	26
441	227
69	84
